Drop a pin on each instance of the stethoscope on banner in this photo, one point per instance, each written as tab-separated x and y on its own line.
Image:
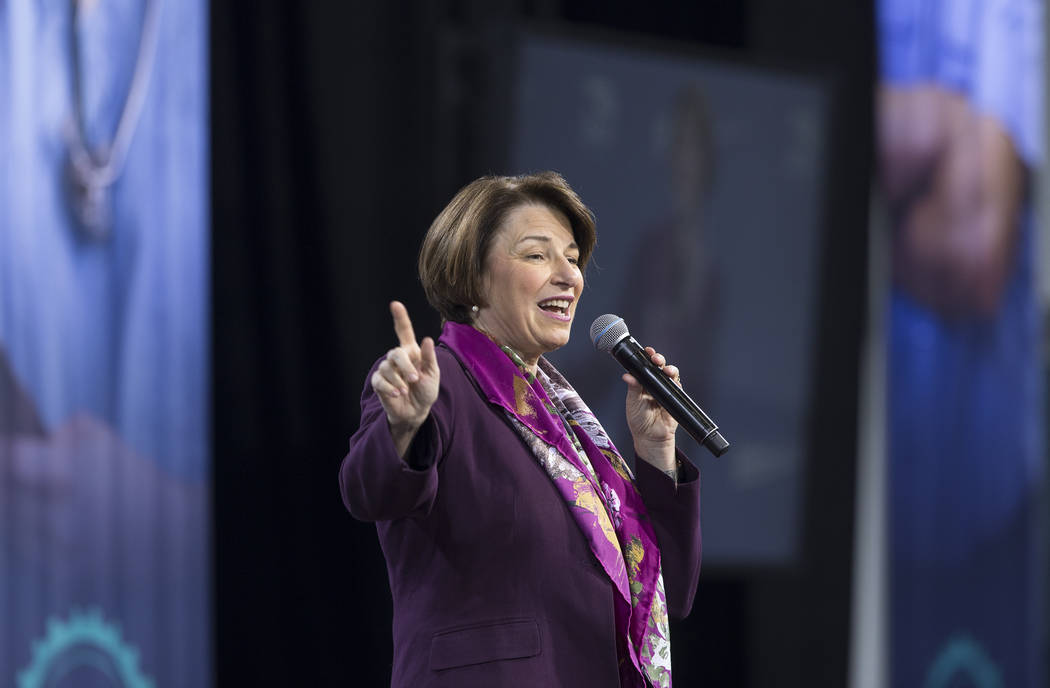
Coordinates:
92	170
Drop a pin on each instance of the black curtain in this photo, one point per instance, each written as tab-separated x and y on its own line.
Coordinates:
338	131
322	187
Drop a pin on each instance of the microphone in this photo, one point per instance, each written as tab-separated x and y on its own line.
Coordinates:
609	333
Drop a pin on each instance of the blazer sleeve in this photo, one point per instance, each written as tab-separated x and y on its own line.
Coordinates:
675	514
376	483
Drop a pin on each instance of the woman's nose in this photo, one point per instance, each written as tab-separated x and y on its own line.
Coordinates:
566	272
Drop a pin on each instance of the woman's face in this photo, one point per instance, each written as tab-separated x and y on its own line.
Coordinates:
532	281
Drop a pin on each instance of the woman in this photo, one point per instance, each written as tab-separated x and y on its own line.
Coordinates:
519	549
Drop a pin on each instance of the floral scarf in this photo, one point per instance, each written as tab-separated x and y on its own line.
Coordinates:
598	488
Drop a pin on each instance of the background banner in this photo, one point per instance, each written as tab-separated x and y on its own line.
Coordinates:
959	138
104	393
708	178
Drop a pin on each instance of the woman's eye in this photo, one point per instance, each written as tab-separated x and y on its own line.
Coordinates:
574	261
533	256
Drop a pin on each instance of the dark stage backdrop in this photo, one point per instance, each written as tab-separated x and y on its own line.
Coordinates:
338	133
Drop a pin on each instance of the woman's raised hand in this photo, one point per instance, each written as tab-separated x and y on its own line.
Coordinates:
407	380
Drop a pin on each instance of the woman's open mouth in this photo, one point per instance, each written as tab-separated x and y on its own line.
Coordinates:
557	307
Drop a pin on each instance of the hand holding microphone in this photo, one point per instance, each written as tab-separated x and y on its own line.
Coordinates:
652	427
609	333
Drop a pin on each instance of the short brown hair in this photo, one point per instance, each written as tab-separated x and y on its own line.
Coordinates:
452	260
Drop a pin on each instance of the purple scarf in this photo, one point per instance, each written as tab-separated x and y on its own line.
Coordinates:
598	488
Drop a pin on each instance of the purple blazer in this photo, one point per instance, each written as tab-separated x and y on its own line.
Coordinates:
493	582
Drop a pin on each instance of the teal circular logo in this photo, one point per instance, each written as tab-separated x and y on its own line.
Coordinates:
83	640
963	657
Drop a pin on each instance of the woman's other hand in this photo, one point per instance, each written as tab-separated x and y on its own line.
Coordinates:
651	426
407	380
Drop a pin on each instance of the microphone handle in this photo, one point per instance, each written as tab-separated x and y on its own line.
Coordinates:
673	398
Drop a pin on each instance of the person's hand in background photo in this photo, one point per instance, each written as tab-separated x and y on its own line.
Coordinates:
955	185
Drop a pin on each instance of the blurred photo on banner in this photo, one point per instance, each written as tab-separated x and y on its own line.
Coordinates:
708	178
960	139
104	361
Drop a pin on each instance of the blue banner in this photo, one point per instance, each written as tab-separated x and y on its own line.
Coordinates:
960	136
104	361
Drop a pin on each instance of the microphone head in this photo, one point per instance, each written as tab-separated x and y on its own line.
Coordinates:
606	330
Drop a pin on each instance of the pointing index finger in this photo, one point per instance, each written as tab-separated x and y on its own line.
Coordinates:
406	336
